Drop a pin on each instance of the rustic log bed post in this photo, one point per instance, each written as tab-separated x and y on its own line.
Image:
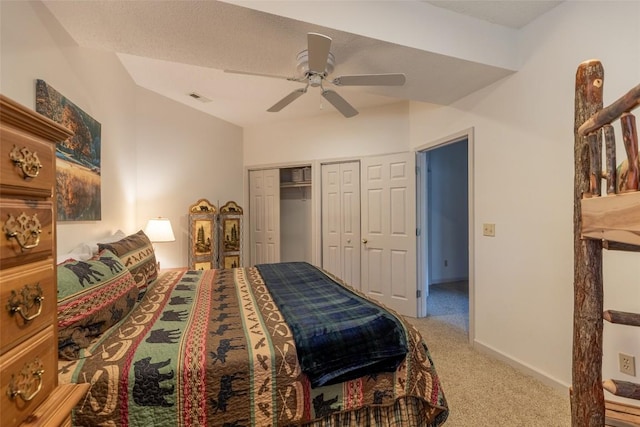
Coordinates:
611	222
587	400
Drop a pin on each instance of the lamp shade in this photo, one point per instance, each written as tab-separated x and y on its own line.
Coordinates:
159	230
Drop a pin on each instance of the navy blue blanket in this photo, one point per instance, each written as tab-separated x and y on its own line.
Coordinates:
339	335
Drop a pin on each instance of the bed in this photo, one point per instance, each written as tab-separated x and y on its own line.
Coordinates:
269	345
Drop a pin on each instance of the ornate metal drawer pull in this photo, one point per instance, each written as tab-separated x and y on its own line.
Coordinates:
26	230
28	161
25	379
22	304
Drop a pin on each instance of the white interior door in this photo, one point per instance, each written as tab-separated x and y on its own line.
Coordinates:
341	221
264	215
389	231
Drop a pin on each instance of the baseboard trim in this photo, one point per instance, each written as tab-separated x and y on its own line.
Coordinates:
526	369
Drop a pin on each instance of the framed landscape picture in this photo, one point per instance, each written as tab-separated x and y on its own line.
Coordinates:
78	181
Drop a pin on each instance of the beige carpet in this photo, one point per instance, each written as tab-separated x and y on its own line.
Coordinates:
482	391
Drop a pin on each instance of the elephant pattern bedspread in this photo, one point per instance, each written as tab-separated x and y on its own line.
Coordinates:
211	348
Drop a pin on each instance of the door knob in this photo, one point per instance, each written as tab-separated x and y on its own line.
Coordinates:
364	241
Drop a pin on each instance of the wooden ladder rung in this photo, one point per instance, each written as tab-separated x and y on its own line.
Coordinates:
622	388
622	317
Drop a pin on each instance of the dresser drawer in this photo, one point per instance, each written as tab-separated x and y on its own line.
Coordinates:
27	164
27	302
27	231
27	376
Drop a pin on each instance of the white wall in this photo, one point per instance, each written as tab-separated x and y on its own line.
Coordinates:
183	155
158	156
376	131
523	179
35	47
523	128
295	217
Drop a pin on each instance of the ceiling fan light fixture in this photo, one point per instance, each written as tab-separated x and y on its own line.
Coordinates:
314	64
315	80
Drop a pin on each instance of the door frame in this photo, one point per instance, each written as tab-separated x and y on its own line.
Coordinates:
422	224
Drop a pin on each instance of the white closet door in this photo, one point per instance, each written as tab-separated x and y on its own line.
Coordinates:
264	215
272	214
341	221
331	217
350	238
389	231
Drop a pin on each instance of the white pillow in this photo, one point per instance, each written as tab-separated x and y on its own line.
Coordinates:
93	244
80	253
86	250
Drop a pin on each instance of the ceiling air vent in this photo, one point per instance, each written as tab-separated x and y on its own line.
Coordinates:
199	97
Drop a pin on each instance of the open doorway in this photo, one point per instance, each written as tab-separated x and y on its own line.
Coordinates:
444	245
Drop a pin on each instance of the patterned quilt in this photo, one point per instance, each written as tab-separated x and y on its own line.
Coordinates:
211	348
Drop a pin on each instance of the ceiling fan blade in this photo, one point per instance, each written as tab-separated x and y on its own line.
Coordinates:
287	100
370	80
318	51
340	103
247	73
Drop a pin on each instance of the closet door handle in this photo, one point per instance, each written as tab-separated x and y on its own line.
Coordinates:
364	241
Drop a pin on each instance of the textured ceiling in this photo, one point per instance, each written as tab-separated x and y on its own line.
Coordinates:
178	47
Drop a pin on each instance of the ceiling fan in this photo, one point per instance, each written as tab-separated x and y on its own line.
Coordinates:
314	65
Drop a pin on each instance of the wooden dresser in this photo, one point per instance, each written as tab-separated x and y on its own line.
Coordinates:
29	390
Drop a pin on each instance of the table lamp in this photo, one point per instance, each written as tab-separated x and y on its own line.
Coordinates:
159	230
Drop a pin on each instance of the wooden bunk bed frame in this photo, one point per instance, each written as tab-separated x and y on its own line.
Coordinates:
610	221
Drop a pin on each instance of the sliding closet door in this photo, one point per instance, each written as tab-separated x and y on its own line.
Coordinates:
264	216
341	221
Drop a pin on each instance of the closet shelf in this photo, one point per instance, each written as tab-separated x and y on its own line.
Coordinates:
295	184
613	218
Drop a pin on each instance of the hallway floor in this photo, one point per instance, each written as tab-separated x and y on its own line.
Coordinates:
449	303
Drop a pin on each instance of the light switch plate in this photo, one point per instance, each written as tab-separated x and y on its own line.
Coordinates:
489	230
